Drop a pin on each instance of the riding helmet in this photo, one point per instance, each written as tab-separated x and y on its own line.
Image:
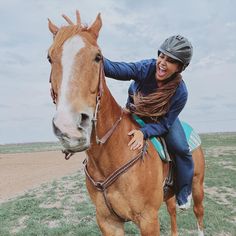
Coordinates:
178	48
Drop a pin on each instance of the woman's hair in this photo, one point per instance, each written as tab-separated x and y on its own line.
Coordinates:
157	104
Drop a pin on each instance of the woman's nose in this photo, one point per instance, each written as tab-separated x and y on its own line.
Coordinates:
163	62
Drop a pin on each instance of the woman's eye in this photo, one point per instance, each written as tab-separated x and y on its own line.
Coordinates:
171	60
98	57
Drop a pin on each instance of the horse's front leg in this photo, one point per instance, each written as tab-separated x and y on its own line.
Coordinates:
110	226
171	207
149	223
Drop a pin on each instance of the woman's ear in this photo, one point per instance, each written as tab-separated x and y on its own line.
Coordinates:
180	67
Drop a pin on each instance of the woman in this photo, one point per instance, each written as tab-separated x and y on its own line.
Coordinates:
158	94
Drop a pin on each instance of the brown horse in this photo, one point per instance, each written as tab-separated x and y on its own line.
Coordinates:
123	184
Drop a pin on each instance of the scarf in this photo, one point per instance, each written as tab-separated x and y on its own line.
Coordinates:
156	104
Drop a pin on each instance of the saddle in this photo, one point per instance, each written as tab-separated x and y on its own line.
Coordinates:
194	142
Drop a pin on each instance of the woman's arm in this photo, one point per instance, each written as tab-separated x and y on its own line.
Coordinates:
126	71
120	70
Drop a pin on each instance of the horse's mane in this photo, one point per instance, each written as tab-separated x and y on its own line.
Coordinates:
66	32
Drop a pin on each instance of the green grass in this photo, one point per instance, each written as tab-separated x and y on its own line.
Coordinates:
63	207
29	147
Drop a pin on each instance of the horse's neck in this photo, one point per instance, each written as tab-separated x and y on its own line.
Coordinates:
109	109
103	156
108	113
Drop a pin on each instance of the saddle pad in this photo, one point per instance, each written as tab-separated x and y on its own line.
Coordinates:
193	138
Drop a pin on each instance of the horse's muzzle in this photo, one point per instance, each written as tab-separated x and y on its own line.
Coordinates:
71	143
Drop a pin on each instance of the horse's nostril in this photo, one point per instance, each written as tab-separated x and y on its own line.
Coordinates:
84	117
56	130
84	121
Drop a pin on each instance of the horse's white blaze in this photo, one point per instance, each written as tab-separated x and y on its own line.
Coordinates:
64	119
70	49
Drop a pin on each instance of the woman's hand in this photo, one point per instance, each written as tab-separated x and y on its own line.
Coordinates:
137	140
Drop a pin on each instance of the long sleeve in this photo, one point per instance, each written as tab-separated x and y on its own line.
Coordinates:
120	70
137	71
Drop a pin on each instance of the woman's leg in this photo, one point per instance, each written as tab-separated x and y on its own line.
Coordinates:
178	146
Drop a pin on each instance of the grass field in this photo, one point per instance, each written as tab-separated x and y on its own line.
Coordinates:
29	147
64	208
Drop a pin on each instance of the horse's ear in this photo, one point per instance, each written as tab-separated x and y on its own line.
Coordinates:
78	18
96	26
53	28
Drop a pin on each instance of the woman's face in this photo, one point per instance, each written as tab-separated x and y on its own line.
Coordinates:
166	66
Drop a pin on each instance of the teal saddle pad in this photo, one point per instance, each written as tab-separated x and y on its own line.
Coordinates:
192	137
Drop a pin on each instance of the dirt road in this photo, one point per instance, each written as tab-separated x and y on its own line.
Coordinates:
23	171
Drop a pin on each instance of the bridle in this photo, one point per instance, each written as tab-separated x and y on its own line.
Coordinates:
98	100
52	92
106	136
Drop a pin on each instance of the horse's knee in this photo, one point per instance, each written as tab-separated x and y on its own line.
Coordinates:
150	228
171	205
110	226
149	224
198	210
198	191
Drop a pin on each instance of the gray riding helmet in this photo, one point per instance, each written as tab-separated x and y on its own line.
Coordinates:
178	48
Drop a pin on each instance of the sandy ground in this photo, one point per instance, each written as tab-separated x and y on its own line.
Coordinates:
23	171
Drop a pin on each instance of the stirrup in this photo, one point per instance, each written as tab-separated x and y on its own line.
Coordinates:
186	205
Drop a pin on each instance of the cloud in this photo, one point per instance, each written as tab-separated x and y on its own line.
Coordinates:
131	31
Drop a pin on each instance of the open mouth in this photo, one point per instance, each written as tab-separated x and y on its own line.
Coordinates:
161	71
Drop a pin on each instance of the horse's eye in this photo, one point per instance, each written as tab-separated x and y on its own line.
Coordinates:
49	59
98	57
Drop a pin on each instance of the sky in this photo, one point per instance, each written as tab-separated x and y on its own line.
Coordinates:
131	31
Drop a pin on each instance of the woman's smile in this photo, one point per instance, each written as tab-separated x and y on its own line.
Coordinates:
166	67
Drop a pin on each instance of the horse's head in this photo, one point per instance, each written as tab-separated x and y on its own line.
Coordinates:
75	66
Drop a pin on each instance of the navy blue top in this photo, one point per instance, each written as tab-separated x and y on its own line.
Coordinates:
143	74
